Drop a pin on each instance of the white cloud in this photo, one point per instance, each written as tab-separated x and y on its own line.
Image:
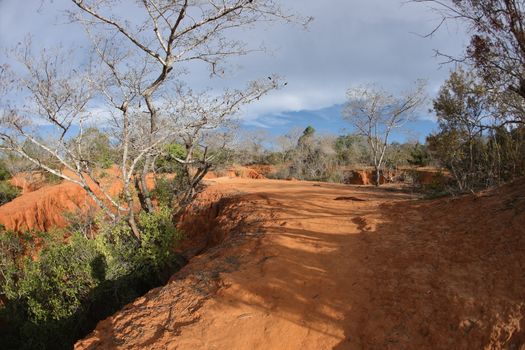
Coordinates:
292	100
349	43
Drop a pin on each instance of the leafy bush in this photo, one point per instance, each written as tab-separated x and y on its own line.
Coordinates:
312	159
164	191
58	284
351	149
419	156
145	259
166	163
4	171
274	158
53	179
8	192
96	147
45	298
52	301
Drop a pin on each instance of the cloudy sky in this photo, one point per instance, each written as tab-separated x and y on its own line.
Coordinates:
350	42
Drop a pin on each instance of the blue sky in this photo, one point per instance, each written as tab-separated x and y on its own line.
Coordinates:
349	43
329	121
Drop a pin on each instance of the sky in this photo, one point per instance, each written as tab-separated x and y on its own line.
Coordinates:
349	43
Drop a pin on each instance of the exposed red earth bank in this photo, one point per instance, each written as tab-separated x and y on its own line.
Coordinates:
42	206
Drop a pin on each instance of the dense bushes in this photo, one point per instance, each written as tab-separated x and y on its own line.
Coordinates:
146	259
52	300
4	171
166	163
8	192
311	159
419	155
475	142
97	147
351	149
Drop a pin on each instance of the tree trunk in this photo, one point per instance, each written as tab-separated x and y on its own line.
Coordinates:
133	224
140	194
131	216
146	196
378	176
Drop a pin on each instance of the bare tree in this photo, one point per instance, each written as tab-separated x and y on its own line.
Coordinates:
171	33
497	44
4	79
58	99
376	113
288	141
137	85
252	145
201	121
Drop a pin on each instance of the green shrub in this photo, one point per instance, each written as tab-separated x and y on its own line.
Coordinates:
52	301
58	284
274	158
419	155
164	191
8	192
53	179
96	147
4	172
46	297
166	163
145	259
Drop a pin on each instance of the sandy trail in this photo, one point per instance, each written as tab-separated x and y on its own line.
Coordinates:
311	266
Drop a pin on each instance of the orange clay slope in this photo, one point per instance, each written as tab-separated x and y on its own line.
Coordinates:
46	207
298	265
42	206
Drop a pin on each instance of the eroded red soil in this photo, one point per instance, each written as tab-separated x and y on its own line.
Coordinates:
298	265
44	206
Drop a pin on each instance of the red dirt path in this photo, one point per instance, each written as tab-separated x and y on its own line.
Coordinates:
290	267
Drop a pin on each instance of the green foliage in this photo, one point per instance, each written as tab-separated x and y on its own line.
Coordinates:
34	152
166	163
12	248
164	191
309	131
48	295
307	135
351	149
274	158
419	155
397	154
57	285
146	259
158	238
51	301
96	148
52	179
170	192
222	158
477	152
506	153
8	192
312	159
4	171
